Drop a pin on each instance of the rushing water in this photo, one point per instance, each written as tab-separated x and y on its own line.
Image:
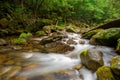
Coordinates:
52	62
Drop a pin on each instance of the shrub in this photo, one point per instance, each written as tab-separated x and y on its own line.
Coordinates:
25	35
18	41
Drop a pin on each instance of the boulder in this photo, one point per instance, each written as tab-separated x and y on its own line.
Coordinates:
115	66
72	28
107	37
71	41
104	73
54	37
2	42
92	59
89	34
118	46
56	47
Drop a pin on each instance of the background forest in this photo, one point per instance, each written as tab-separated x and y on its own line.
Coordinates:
29	14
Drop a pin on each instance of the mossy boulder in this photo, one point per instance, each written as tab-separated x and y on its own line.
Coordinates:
56	47
104	73
118	46
4	22
18	41
72	28
107	37
92	59
115	66
89	34
48	29
40	33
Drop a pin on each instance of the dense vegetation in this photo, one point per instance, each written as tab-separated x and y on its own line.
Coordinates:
29	13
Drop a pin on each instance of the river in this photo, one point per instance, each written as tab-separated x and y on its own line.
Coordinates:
31	65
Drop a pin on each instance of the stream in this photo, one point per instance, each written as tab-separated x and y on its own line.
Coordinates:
20	65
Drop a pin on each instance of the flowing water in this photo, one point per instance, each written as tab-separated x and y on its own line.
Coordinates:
31	65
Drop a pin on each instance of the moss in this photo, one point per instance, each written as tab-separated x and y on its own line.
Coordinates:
118	46
18	41
108	37
115	66
40	33
104	73
84	52
89	34
25	35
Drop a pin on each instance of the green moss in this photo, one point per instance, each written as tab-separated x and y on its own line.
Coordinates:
104	73
89	34
25	35
108	37
40	33
84	52
118	46
18	41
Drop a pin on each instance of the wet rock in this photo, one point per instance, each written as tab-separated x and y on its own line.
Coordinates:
9	62
2	42
118	46
71	41
57	47
107	37
82	41
19	78
46	76
89	34
115	66
30	66
78	67
50	39
92	59
12	72
105	73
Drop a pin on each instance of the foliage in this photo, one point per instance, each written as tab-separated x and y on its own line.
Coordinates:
18	41
25	35
89	11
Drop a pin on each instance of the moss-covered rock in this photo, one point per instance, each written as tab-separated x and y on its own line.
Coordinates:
115	66
40	33
118	46
25	35
18	41
92	59
89	34
72	28
48	29
104	73
108	37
